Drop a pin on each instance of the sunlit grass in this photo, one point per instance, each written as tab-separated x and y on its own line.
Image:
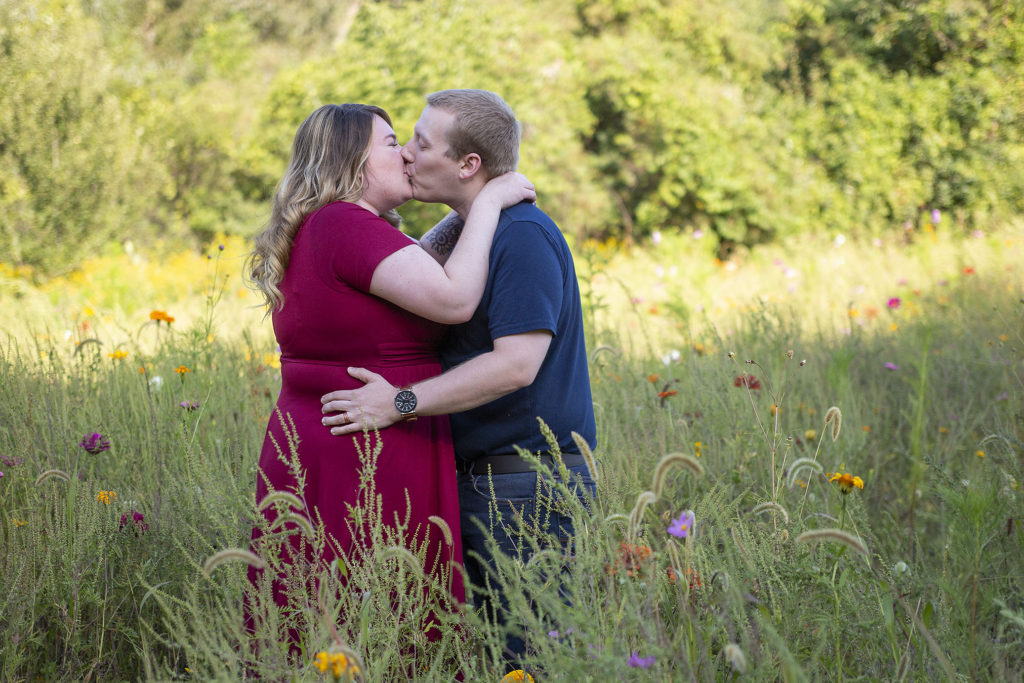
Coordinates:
741	393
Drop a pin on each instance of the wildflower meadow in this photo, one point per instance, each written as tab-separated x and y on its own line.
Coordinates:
809	467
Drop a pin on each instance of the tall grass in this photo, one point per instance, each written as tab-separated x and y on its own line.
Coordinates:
916	575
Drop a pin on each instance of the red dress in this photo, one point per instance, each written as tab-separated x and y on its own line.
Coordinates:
330	322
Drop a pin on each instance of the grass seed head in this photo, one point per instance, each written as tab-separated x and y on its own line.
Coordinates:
52	474
588	455
232	554
446	530
642	501
669	461
769	506
283	496
834	416
734	655
837	535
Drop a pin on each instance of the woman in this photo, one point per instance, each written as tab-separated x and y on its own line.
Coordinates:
348	289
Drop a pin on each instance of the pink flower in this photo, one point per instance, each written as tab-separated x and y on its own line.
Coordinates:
893	302
891	366
94	443
136	521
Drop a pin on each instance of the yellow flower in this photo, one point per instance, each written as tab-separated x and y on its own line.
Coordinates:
846	481
980	453
810	435
181	370
698	448
321	661
339	663
118	354
774	410
161	316
517	676
106	497
88	311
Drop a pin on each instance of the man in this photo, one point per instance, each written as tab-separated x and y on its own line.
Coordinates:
522	354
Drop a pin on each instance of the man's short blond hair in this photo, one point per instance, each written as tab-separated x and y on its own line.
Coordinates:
484	124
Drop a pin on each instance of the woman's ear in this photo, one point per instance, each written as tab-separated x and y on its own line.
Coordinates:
470	165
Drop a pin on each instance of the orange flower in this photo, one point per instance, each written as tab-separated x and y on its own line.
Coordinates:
181	370
846	481
632	558
652	378
666	394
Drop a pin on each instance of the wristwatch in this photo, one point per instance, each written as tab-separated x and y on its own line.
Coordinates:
405	404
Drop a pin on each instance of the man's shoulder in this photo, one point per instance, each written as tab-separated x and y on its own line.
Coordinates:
525	220
526	212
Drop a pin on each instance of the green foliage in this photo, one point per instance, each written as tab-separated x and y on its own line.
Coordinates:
741	119
74	171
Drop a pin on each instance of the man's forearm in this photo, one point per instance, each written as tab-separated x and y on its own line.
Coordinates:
442	238
512	365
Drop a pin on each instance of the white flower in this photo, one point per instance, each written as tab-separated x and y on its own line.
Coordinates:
157	382
656	237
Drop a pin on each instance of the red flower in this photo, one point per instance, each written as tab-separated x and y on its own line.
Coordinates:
749	381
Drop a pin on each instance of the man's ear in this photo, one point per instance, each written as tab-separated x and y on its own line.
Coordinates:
470	165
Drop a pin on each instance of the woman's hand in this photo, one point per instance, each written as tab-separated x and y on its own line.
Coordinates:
507	190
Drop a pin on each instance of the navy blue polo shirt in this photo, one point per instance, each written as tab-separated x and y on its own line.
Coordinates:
531	285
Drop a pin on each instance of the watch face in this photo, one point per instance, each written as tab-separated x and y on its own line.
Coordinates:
405	401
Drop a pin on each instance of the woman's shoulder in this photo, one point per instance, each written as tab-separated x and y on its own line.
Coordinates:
344	210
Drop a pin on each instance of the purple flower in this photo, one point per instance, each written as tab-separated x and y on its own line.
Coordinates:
11	461
1	474
638	662
1003	396
220	247
137	522
94	443
893	302
189	405
891	366
936	216
682	525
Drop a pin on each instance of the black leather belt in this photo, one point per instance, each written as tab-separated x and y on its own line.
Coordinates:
513	464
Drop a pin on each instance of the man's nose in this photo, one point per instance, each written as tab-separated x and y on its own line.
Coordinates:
407	153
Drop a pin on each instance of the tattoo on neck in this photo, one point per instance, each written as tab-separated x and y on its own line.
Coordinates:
445	234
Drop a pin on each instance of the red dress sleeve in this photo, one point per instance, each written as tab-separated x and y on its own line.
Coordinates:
349	242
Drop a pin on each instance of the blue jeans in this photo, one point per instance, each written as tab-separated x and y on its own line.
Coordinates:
514	495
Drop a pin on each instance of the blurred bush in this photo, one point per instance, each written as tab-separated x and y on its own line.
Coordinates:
744	119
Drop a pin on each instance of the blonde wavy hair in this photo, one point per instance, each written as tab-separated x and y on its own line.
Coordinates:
328	159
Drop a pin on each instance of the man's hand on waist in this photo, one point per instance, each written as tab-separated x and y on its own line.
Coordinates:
371	406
